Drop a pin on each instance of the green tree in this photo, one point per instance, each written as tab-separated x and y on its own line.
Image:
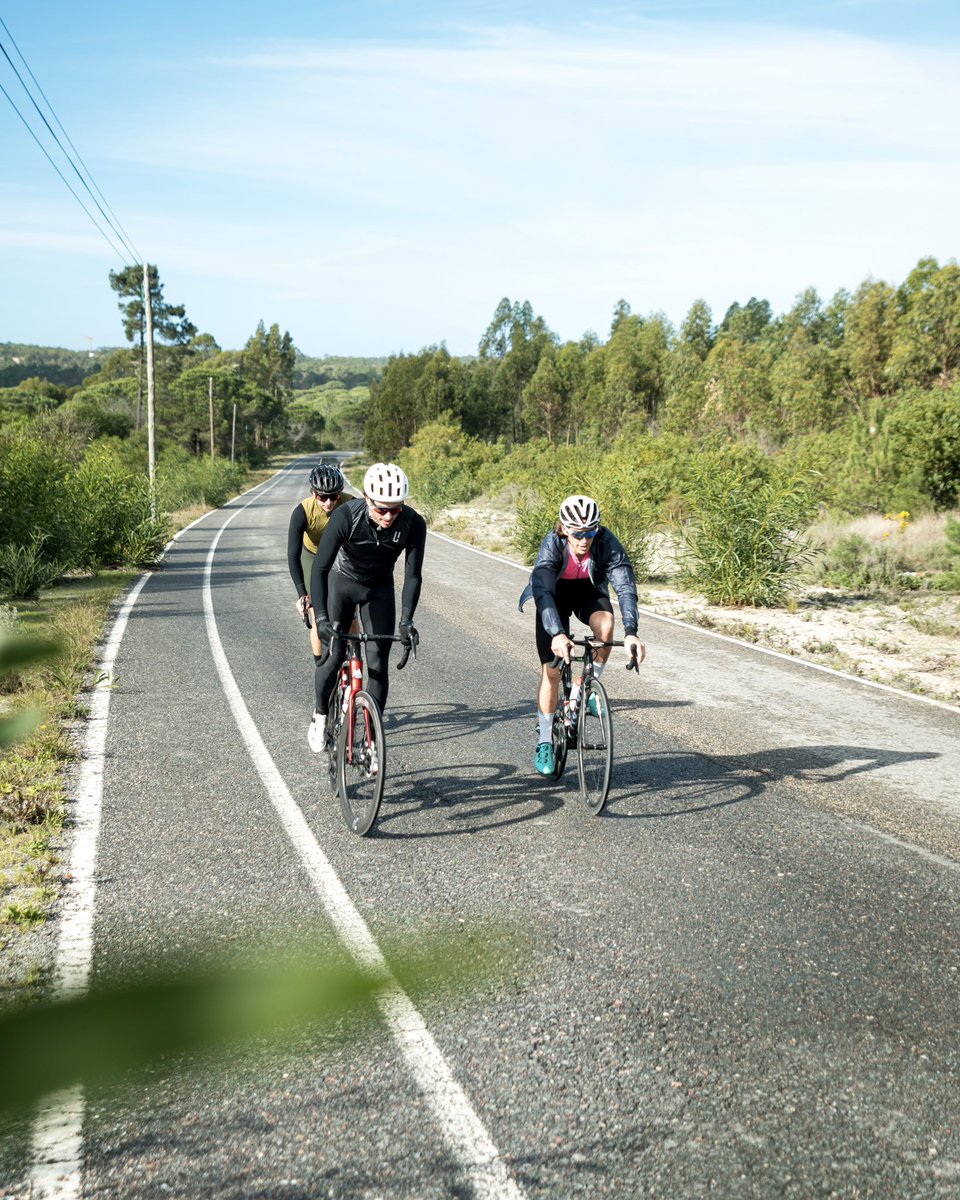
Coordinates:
868	341
268	361
926	345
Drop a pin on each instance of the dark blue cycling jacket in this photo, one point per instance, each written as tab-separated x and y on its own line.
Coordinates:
608	561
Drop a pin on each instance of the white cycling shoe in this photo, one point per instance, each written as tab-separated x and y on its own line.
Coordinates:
316	732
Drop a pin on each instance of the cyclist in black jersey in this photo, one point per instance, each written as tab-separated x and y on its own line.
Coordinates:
307	523
353	569
575	565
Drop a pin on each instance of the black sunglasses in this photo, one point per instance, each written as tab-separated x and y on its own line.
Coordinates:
327	495
386	511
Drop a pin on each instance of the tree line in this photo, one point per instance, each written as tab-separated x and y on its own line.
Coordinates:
862	389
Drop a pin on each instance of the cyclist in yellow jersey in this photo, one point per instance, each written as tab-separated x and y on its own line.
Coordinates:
307	524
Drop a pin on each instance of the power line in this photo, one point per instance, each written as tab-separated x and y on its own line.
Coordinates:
130	254
119	253
117	227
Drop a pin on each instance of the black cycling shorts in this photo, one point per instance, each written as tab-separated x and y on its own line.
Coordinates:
574	597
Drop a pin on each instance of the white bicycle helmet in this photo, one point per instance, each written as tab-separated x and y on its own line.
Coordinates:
386	483
579	512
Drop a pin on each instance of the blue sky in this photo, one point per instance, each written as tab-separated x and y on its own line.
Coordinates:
374	177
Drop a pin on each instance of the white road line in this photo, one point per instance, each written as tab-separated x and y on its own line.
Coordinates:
56	1140
480	1161
725	637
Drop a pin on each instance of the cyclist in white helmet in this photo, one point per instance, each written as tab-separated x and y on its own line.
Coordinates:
576	563
353	569
307	523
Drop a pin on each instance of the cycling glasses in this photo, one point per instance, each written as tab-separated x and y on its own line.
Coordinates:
385	510
585	533
327	495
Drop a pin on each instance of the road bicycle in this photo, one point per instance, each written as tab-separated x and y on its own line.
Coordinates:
354	742
587	727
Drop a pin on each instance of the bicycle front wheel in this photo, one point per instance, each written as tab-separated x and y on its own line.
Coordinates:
594	746
361	764
559	735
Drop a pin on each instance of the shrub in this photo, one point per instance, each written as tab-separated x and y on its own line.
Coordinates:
26	570
442	463
743	544
114	522
857	563
184	481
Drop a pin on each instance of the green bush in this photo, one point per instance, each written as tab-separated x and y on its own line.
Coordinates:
442	463
26	570
184	481
744	543
33	478
855	562
114	524
923	433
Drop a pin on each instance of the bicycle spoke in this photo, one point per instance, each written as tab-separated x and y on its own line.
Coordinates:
594	746
361	764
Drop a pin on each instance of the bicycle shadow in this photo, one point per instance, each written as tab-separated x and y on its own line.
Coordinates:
684	784
476	797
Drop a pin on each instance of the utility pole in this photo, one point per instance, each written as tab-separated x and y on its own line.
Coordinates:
233	436
151	437
211	419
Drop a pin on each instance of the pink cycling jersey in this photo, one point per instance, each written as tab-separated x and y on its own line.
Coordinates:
576	568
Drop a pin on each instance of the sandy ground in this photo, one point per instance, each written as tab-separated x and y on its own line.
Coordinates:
913	644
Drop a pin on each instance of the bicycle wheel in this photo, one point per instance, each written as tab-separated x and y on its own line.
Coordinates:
594	746
559	738
361	764
333	736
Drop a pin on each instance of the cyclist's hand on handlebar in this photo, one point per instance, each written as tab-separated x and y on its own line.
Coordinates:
303	603
636	651
409	639
562	647
325	631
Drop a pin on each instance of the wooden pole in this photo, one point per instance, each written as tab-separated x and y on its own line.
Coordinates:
151	433
211	418
233	436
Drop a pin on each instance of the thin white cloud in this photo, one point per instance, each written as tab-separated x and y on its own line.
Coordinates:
655	162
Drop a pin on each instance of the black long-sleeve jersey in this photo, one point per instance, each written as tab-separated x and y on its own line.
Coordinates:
360	550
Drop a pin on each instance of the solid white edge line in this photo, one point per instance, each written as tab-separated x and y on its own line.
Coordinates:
725	637
463	1131
56	1142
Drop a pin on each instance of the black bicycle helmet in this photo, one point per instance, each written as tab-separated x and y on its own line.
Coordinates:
327	477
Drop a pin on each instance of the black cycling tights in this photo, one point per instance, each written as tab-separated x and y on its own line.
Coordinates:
378	614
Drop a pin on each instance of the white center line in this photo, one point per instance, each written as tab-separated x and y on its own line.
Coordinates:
481	1163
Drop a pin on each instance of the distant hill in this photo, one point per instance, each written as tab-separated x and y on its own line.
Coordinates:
351	372
67	367
71	367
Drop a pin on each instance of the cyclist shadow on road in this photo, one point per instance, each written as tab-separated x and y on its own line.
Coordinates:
470	796
680	784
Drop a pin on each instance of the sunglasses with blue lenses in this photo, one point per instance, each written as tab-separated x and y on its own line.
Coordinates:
585	533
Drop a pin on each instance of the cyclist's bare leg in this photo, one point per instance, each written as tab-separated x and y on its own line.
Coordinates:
549	688
601	626
315	644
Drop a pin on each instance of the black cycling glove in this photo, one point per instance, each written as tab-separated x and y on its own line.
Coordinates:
408	634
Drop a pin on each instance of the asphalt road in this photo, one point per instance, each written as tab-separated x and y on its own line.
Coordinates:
741	981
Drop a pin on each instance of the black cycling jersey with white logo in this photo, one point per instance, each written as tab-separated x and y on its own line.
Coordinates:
360	550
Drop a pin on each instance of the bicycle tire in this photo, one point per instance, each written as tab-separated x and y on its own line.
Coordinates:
360	789
559	738
333	736
594	747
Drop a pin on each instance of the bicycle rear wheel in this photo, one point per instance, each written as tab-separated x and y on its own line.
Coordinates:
594	746
361	764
